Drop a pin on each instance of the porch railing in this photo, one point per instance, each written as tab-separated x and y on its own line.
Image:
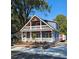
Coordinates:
39	39
32	28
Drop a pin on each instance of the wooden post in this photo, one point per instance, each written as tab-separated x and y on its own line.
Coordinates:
41	30
40	25
22	36
30	35
30	31
26	36
41	35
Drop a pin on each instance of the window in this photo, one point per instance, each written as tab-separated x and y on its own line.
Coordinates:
46	34
28	34
35	23
36	34
24	34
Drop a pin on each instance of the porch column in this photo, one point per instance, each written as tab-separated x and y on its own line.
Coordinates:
41	35
41	30
22	36
30	30
30	35
40	25
26	36
51	35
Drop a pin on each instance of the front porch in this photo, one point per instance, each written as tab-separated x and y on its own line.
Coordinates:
37	30
37	40
37	36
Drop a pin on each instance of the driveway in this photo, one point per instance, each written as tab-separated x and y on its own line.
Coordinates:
59	52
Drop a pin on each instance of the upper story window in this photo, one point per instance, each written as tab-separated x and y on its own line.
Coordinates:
34	23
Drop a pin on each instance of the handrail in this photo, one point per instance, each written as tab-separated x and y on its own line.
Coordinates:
43	26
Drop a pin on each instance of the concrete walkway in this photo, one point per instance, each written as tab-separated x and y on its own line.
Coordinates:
61	43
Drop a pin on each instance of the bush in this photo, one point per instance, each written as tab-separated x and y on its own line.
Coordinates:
14	40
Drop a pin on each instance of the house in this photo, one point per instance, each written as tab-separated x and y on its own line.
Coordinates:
37	29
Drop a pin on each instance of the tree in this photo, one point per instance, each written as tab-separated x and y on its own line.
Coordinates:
21	9
62	22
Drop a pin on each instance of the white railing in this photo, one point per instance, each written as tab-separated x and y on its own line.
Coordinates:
33	28
44	26
39	39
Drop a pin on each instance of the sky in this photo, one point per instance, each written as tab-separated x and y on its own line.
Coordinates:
57	7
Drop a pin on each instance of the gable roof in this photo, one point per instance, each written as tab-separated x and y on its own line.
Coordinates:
40	20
